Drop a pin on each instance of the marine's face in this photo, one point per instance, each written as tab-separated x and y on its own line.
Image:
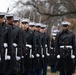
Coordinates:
16	23
10	21
22	26
2	20
37	28
65	27
32	28
26	26
42	30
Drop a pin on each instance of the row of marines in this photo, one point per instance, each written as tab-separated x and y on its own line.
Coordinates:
26	50
22	50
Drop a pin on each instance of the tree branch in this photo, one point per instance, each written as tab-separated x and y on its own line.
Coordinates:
46	19
48	14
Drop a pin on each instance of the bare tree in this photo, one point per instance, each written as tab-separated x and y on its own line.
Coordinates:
48	10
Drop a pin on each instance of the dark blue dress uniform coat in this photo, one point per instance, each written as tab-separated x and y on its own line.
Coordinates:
17	38
65	63
5	37
28	39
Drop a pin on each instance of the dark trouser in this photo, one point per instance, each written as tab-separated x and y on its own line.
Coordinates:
53	69
3	74
33	71
65	73
2	62
27	73
36	72
45	70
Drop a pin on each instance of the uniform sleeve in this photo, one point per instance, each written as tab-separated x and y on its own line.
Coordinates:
19	39
48	44
23	43
43	45
34	48
56	44
73	44
10	40
39	45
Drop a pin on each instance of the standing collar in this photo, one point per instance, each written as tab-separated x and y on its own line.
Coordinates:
65	31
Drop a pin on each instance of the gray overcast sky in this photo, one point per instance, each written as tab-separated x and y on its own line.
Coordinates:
4	4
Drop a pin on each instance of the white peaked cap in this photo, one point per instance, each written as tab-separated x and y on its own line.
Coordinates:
2	13
65	23
16	18
38	24
32	23
9	15
43	25
25	20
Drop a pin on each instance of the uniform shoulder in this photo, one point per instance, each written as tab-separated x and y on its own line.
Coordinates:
30	31
5	25
59	33
71	33
16	27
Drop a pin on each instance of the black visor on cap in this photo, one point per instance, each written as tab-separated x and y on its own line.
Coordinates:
1	16
31	25
37	26
9	17
24	22
42	27
65	25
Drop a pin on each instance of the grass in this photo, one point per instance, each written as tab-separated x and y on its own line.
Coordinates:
49	72
57	73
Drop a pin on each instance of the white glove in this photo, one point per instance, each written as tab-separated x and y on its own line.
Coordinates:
22	56
14	44
7	58
37	55
42	56
18	58
0	59
72	56
32	56
5	45
58	56
48	54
